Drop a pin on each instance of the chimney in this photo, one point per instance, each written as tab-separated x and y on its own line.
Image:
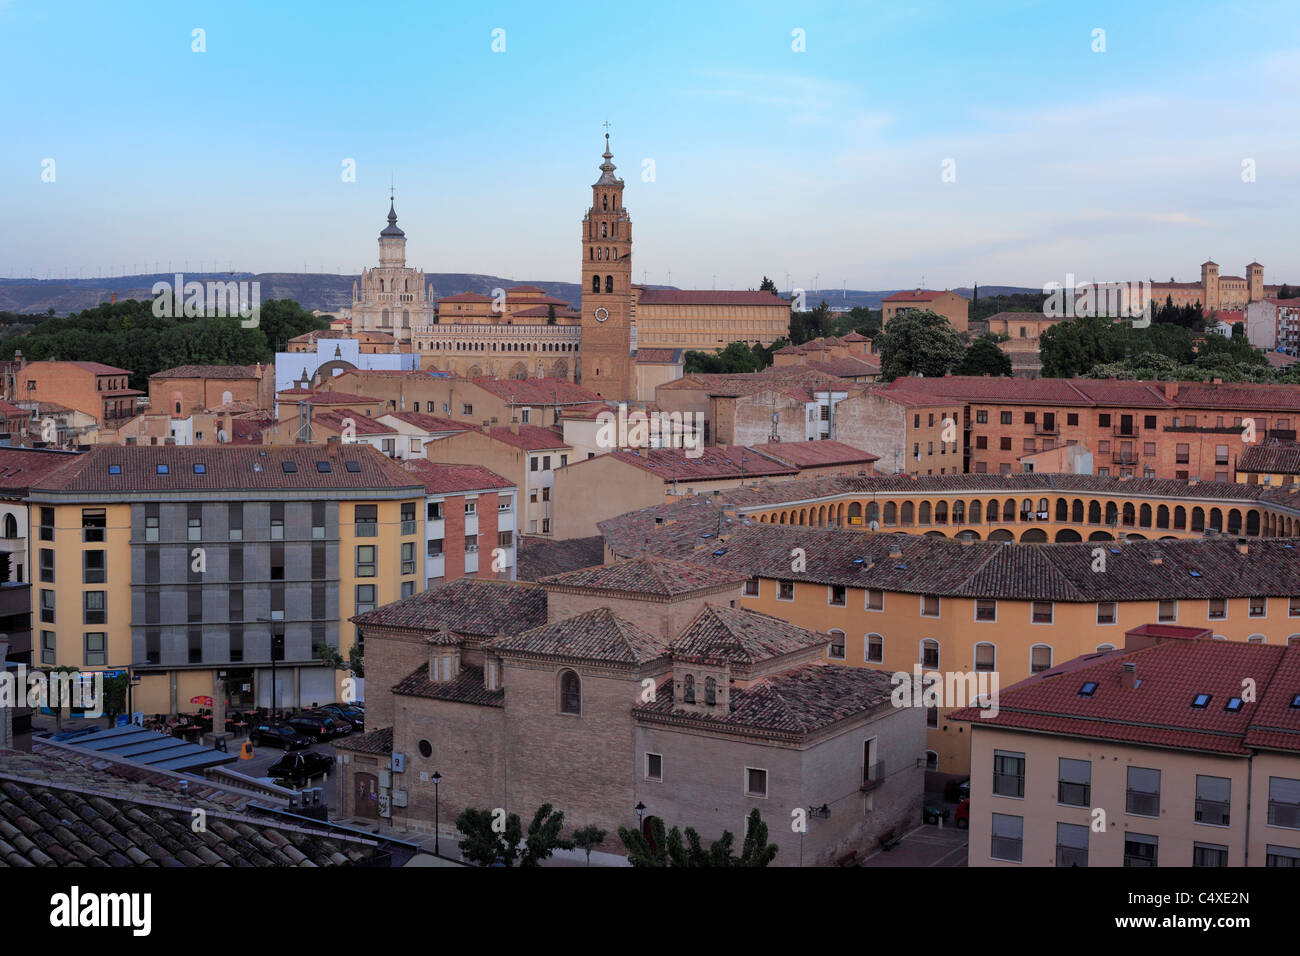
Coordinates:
1242	546
514	427
1171	390
1128	675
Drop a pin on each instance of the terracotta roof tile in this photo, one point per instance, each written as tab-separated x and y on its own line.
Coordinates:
479	607
598	634
648	576
442	478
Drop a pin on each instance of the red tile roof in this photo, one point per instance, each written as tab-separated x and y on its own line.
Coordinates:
815	454
707	297
469	607
20	467
466	297
428	423
338	419
598	634
1159	710
659	577
916	295
1276	458
325	396
674	464
531	438
209	371
658	356
536	391
442	478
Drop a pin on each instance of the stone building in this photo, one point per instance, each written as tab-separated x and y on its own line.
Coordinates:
392	297
639	682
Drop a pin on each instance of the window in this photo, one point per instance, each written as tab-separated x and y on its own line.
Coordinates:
194	524
755	782
47	647
505	539
1139	849
1006	418
408	588
1284	803
875	600
366	520
570	693
1167	612
688	689
93	523
1293	608
1218	609
1008	773
654	766
1071	844
1074	782
785	591
875	649
1143	795
1041	612
986	610
981	441
930	653
434	548
505	504
1209	854
94	567
532	464
408	517
1004	444
434	511
47	565
929	605
236	522
1103	420
408	557
1072	418
1106	613
467	409
1258	607
94	607
982	417
1213	800
836	595
150	528
1008	837
751	587
1282	856
365	598
471	544
835	651
1182	454
96	649
1040	658
985	657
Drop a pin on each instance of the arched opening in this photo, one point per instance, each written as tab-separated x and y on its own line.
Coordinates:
976	512
609	283
1216	519
923	513
1252	522
1094	512
1135	536
1062	510
570	693
941	512
1112	513
1162	516
1198	519
855	513
1068	534
1076	511
595	283
1130	514
935	534
1180	518
891	513
1101	536
1144	516
959	512
1034	536
1009	510
905	515
1234	521
1002	534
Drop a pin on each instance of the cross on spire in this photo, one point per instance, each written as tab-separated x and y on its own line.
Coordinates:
606	125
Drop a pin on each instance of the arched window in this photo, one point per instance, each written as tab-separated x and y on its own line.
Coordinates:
613	253
595	283
609	283
710	691
604	204
688	689
930	653
591	253
835	650
570	693
1040	658
600	252
604	231
986	656
10	526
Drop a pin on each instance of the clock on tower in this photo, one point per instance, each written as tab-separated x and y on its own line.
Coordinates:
606	357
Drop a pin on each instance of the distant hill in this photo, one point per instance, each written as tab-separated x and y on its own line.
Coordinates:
328	292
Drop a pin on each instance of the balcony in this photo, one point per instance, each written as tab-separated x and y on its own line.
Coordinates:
1213	812
1124	458
1142	804
873	775
1281	434
1125	431
1071	856
1073	794
1044	428
1283	815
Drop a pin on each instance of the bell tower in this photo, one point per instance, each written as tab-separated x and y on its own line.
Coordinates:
607	330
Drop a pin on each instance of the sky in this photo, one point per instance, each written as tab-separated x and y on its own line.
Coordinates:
878	145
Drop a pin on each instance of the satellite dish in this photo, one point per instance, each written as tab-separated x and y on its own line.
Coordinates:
875	525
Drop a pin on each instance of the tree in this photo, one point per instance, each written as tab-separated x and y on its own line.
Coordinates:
806	326
736	357
984	358
544	836
484	844
1073	347
918	341
675	849
588	838
356	660
756	851
767	285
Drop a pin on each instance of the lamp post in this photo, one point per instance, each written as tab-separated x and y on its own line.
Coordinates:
640	817
277	653
437	831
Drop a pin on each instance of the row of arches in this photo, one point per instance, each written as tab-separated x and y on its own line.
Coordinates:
600	253
497	346
1128	514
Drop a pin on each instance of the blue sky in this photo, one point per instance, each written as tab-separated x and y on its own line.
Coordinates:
1120	164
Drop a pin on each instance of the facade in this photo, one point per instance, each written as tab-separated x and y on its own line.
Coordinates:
706	319
318	362
188	565
93	388
953	307
392	298
608	331
1188	769
554	709
1274	324
181	391
469	522
1214	293
1275	463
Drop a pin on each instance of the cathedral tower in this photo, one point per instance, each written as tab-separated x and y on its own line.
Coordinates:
608	335
392	298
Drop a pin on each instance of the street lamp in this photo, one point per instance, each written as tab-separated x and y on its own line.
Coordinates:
277	653
437	779
640	816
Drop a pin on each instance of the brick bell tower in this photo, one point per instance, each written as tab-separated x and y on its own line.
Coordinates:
607	330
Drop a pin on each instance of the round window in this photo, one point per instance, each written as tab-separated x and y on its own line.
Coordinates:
426	749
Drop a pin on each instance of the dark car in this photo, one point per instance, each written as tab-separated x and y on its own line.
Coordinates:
318	726
278	733
355	717
300	767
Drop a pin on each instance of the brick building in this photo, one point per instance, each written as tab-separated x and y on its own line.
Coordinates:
469	524
636	682
187	389
953	307
94	388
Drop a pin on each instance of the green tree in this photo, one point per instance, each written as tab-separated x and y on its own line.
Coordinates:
484	845
736	357
1073	347
983	357
918	341
588	838
806	326
544	836
356	660
756	850
767	285
675	849
550	314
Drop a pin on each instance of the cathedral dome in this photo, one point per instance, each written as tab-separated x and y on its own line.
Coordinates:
391	229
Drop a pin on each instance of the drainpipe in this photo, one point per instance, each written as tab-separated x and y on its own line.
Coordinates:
1250	779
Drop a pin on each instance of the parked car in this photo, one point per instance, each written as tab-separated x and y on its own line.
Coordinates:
961	818
319	726
300	767
278	733
355	717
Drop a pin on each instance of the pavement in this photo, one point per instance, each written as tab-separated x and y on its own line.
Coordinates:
927	844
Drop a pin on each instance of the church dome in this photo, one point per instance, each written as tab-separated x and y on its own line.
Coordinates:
391	229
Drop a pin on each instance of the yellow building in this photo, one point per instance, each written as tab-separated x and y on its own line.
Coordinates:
953	307
194	568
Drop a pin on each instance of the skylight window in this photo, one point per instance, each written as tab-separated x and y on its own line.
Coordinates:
1233	705
162	470
323	467
720	552
114	469
353	466
1295	702
1202	701
1195	574
200	468
1088	689
289	467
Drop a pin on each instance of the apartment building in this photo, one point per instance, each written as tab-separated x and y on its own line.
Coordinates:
953	307
910	432
1274	324
469	522
527	456
414	430
96	389
187	389
899	601
1274	463
1157	740
197	568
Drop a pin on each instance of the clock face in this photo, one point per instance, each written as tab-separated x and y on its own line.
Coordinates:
602	314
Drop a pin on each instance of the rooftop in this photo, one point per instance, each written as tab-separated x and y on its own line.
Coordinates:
598	634
651	576
441	478
478	607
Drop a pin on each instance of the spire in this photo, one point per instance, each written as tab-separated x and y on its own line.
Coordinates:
392	229
607	177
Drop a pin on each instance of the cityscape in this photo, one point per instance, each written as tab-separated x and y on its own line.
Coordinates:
830	524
